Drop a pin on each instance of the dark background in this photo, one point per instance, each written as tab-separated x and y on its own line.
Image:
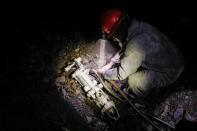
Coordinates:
35	23
177	20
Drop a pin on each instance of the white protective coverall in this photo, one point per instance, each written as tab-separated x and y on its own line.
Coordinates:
149	60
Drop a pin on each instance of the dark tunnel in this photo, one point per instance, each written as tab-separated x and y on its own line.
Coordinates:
29	101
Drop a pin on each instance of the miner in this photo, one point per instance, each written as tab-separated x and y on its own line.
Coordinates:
147	59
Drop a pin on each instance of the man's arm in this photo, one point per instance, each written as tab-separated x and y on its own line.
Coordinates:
114	60
128	65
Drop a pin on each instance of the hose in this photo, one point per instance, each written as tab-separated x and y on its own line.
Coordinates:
133	106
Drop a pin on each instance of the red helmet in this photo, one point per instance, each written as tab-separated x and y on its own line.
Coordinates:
110	21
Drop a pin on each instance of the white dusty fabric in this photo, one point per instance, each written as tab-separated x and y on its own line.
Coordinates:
150	49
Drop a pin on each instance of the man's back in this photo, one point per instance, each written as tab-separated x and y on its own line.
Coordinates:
160	53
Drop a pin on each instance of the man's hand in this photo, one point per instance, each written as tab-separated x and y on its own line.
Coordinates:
99	71
104	68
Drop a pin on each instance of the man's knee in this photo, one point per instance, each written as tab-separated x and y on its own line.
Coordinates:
142	82
139	83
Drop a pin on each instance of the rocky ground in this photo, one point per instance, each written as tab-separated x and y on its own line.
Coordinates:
51	100
169	108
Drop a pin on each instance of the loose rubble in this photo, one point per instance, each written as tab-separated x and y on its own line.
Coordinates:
53	82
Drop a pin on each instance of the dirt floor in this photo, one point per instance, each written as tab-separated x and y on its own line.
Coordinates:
41	96
37	94
168	108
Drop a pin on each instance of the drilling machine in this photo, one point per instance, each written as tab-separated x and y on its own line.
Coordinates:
93	89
